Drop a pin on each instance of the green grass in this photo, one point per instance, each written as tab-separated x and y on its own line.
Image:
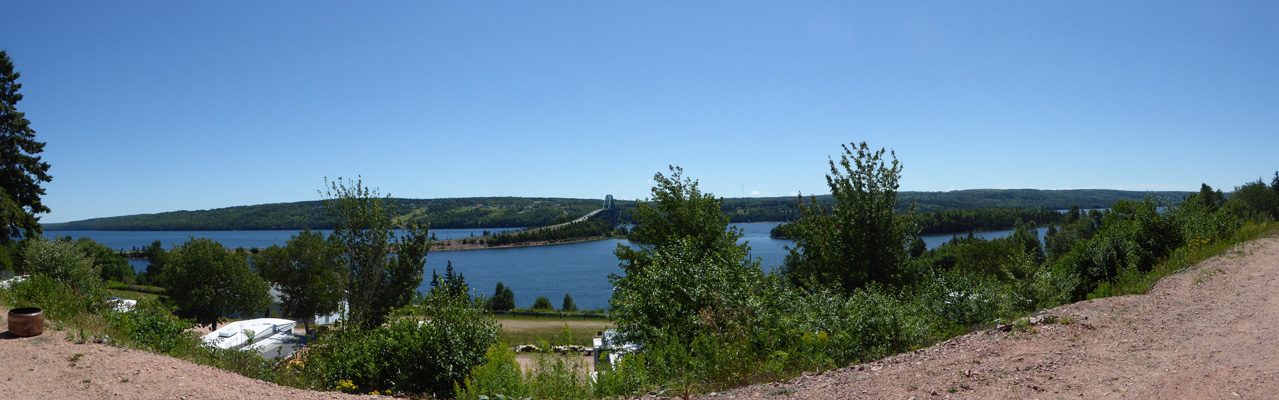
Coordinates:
523	329
132	295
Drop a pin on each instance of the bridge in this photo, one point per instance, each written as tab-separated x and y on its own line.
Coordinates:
608	206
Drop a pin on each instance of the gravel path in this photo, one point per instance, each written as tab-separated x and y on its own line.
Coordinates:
1207	333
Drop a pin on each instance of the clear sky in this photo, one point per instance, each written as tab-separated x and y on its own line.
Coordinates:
160	106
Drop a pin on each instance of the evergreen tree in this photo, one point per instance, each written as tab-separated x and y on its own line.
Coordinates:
1274	183
453	284
503	298
21	170
568	306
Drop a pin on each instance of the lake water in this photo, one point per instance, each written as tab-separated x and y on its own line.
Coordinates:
580	269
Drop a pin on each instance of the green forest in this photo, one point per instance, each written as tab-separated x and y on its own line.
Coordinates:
510	212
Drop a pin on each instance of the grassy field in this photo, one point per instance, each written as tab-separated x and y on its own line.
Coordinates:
521	329
132	295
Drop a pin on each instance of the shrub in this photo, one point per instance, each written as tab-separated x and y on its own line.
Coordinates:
62	261
58	299
555	376
151	327
499	375
1135	236
1254	201
542	303
427	351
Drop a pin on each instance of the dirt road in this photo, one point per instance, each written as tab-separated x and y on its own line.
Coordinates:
1211	332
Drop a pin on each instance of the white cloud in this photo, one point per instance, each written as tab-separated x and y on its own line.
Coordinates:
754	193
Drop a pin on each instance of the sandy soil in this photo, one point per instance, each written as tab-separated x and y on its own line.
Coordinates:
1207	333
1203	334
51	367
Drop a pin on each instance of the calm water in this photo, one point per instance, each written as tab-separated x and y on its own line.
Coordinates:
126	240
580	269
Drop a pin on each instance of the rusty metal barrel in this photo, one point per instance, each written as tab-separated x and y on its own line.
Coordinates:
26	321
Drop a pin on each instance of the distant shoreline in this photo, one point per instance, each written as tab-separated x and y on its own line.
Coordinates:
457	245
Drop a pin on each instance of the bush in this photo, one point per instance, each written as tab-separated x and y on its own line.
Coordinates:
1135	236
151	327
499	375
62	261
432	348
555	376
58	299
1254	201
543	303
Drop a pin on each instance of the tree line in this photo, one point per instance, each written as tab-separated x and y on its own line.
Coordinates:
512	212
958	221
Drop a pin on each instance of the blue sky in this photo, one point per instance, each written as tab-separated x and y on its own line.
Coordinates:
161	106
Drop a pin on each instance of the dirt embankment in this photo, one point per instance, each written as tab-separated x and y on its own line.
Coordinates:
1211	332
51	367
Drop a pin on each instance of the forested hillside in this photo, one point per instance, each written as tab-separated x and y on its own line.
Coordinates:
505	212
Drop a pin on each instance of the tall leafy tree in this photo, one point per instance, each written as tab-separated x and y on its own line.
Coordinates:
307	272
21	170
206	282
679	211
860	239
156	259
689	276
382	271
